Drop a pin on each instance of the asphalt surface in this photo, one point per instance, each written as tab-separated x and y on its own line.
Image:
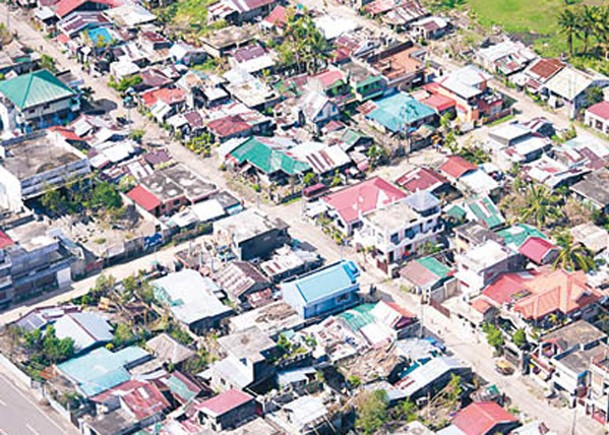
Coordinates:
20	414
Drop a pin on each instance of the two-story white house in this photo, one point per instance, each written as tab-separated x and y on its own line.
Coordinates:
397	230
36	100
31	164
481	265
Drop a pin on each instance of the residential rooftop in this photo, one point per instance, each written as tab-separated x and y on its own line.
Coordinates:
248	224
38	153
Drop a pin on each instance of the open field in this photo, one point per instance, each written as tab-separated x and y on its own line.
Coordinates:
533	21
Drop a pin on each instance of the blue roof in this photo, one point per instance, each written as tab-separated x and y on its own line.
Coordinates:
100	34
398	111
100	369
329	280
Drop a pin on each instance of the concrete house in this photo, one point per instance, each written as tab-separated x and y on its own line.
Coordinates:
36	100
323	291
33	163
192	300
251	234
247	363
397	230
597	117
227	410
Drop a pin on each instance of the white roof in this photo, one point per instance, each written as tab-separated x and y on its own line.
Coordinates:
86	329
124	68
305	410
569	82
208	210
333	26
479	182
427	373
486	254
465	81
130	15
191	296
321	157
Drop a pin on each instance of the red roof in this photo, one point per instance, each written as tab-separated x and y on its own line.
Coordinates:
536	249
481	418
545	69
277	17
363	197
169	96
600	109
535	295
439	102
420	179
228	126
66	132
65	7
225	402
5	240
457	166
329	78
145	199
143	399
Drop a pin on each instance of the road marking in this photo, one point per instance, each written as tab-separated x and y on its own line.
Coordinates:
32	429
35	405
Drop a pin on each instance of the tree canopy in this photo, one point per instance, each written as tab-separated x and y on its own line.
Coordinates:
304	47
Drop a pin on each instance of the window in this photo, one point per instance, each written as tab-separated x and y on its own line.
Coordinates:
343	298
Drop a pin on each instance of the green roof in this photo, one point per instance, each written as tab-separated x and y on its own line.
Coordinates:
34	89
434	266
267	159
517	234
350	136
358	317
490	215
456	211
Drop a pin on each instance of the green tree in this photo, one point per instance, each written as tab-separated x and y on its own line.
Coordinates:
519	338
408	411
371	411
53	201
569	25
450	143
586	18
594	95
309	179
540	206
494	336
123	336
137	135
573	256
105	195
304	46
47	62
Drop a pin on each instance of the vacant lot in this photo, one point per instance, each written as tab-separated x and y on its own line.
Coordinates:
533	21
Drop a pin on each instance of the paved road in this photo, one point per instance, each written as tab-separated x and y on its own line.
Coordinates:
476	354
21	415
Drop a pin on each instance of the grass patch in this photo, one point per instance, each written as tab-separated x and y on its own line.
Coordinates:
501	120
533	22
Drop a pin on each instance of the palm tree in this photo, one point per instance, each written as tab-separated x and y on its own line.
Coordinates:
586	22
540	206
568	23
573	256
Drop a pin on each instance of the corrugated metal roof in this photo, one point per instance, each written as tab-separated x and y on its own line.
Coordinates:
34	89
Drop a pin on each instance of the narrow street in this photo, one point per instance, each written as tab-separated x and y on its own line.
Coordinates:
465	347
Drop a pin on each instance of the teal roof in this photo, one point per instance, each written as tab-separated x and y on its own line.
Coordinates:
359	316
267	159
486	211
456	211
324	282
34	89
434	266
350	136
398	111
100	369
517	234
179	388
